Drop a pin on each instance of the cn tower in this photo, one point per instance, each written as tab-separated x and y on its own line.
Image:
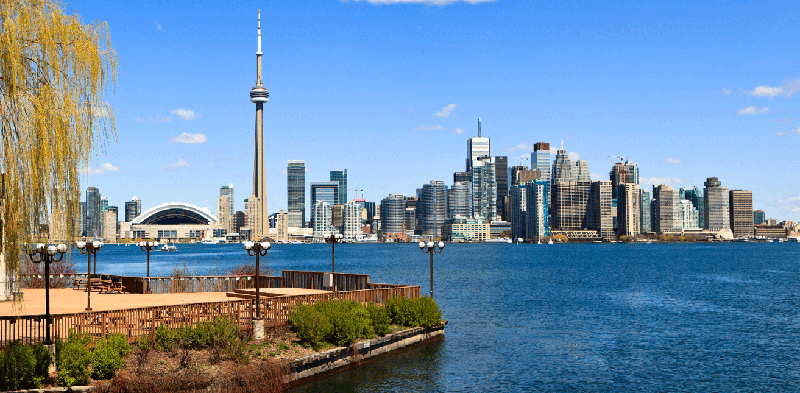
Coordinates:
258	219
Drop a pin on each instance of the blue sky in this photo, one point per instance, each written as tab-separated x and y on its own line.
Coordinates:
391	90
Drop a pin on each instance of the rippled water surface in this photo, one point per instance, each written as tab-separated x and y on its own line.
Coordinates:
562	317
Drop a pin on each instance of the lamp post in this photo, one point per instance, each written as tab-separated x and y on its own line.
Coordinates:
333	239
259	250
90	248
431	248
148	246
46	254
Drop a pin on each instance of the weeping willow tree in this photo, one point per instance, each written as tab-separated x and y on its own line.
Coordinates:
54	72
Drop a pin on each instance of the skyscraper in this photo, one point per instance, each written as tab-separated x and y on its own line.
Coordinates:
392	213
224	214
484	189
341	178
501	179
321	218
646	221
458	200
432	208
351	220
518	207
741	212
759	217
537	201
695	195
227	192
717	214
623	172
666	217
324	191
581	171
600	211
570	201
258	216
629	210
94	213
296	192
477	147
540	159
133	209
688	214
562	169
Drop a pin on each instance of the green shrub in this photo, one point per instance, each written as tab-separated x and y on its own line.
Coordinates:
311	326
109	356
414	312
166	338
223	338
74	359
23	366
350	321
381	322
428	313
400	311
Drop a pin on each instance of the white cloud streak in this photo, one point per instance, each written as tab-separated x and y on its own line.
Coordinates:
661	180
158	25
104	168
429	128
795	132
521	146
459	131
674	161
181	163
574	156
753	110
185	114
445	112
189	138
787	89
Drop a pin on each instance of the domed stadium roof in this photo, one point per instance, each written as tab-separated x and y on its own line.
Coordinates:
175	213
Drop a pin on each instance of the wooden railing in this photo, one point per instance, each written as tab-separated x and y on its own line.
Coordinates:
64	280
193	284
138	321
314	280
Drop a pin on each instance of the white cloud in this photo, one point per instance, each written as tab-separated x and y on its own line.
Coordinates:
189	138
795	132
158	25
787	89
790	200
160	119
726	91
176	165
574	156
674	161
104	168
521	146
426	2
185	114
661	180
445	112
138	118
753	110
596	176
429	128
459	131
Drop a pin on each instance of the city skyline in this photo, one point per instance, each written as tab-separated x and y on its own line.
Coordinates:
673	110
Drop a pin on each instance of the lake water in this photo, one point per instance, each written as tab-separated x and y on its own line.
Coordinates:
562	317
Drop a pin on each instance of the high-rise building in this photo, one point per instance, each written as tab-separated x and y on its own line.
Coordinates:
600	210
477	147
688	214
570	200
296	192
518	207
462	177
337	217
432	208
94	213
324	191
540	160
392	213
537	205
484	189
133	209
629	210
717	214
581	171
321	219
82	225
458	200
228	190
369	207
759	217
741	212
410	220
623	172
341	178
562	169
224	214
666	217
239	220
646	220
110	218
351	221
695	195
258	216
501	179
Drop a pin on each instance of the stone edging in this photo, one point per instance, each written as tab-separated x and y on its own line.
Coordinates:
338	359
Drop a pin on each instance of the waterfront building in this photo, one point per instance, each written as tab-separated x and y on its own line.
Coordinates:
477	147
351	223
239	221
370	212
110	218
321	218
633	172
524	176
695	195
392	217
517	204
688	214
629	210
666	214
775	231
224	214
646	220
410	223
171	222
279	224
324	191
296	192
581	171
258	216
133	208
458	200
570	200
94	213
337	217
759	217
465	229
82	220
501	179
459	177
540	160
537	205
562	169
484	189
432	208
600	211
228	191
341	178
623	172
741	212
717	214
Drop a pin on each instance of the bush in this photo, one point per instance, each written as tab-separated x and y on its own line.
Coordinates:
400	311
166	338
414	312
428	313
350	321
312	326
109	355
381	322
74	359
23	366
